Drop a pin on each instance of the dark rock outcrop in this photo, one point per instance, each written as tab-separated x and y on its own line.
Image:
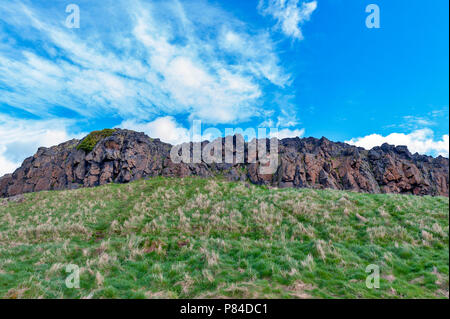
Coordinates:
308	162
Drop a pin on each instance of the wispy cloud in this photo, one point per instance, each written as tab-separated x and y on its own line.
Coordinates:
158	62
421	141
289	15
417	122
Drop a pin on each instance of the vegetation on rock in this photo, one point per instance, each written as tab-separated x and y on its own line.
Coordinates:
88	143
203	238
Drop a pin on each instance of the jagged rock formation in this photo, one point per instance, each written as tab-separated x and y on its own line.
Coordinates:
308	162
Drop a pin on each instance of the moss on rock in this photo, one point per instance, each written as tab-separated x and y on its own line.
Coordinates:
88	143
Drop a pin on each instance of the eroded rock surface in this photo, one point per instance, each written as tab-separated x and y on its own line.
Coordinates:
308	162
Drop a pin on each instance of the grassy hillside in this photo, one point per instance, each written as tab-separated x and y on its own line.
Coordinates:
185	238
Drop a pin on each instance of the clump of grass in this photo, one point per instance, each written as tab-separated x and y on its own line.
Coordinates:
88	143
198	238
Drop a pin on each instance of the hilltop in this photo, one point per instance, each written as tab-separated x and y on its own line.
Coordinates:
121	156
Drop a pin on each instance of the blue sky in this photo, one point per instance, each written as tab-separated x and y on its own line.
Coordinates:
309	68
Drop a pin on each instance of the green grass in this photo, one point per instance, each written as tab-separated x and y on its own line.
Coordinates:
198	238
88	143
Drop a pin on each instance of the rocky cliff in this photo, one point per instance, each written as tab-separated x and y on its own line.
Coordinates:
308	162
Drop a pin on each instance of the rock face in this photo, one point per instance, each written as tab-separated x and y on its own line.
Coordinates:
315	163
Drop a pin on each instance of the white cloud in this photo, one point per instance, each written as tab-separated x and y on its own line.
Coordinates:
285	133
165	128
421	141
165	58
288	14
21	139
6	166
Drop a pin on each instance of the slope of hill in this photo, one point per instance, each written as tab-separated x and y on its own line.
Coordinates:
122	156
191	237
